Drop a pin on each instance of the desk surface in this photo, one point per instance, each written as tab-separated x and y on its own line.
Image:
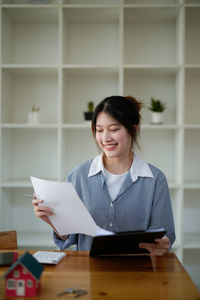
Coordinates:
129	277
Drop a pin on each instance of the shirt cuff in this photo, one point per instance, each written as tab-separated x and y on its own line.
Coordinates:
64	244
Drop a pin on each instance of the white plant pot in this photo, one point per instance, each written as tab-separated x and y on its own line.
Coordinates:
33	117
157	117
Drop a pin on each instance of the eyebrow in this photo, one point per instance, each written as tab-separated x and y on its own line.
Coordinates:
113	124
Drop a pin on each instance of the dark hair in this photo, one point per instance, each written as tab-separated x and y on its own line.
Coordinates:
126	110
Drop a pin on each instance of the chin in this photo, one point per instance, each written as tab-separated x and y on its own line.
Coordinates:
111	155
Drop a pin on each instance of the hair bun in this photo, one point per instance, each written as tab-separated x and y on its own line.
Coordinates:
138	104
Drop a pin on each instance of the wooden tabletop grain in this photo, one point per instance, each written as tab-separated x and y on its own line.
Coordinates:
117	278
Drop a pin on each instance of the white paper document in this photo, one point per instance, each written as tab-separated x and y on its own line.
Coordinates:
70	214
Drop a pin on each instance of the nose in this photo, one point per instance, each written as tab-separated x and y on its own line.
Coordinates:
106	137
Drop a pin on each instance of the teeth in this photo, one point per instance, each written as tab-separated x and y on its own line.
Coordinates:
109	146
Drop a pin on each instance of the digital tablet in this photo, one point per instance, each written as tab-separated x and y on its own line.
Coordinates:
124	242
6	258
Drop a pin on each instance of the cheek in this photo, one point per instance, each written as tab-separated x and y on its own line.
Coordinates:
125	140
98	139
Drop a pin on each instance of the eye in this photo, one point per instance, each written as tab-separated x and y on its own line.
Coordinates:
114	129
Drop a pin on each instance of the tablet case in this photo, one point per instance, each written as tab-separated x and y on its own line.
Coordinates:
124	242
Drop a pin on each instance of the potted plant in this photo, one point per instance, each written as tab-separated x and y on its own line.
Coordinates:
89	113
157	107
33	115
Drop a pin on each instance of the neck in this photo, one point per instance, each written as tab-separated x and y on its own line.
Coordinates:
118	165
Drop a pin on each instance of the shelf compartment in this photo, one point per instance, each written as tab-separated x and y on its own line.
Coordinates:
90	83
191	240
90	35
192	41
191	158
151	35
29	35
159	83
77	146
29	152
192	91
192	2
163	144
191	211
22	88
18	215
40	240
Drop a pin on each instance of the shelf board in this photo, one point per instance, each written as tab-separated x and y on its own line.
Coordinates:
192	66
91	5
86	125
191	241
30	5
90	69
19	183
192	126
30	69
160	126
152	5
192	5
16	184
151	69
28	126
191	185
89	66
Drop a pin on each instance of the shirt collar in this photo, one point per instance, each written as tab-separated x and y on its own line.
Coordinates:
96	165
139	168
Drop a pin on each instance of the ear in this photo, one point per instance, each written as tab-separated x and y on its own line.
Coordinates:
136	127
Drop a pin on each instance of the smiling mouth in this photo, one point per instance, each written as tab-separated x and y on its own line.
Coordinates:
110	147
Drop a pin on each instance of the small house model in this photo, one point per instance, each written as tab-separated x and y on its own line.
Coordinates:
23	277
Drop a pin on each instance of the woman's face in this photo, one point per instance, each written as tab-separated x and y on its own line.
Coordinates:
112	137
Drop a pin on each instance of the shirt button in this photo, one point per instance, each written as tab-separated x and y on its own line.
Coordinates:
110	224
111	204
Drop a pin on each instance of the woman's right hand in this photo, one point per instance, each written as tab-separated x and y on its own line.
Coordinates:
41	211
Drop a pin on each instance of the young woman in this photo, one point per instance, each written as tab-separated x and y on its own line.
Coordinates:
121	191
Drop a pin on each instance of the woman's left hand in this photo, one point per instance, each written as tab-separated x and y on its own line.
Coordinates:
159	248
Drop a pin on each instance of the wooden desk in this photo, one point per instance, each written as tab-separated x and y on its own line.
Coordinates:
123	278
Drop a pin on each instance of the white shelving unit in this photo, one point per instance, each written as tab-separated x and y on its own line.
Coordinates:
59	55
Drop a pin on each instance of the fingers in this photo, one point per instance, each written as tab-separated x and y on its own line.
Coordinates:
159	248
40	210
36	201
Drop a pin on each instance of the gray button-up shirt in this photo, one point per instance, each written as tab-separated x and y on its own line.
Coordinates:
143	201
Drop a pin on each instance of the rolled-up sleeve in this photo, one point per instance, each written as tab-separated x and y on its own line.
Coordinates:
161	214
64	244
